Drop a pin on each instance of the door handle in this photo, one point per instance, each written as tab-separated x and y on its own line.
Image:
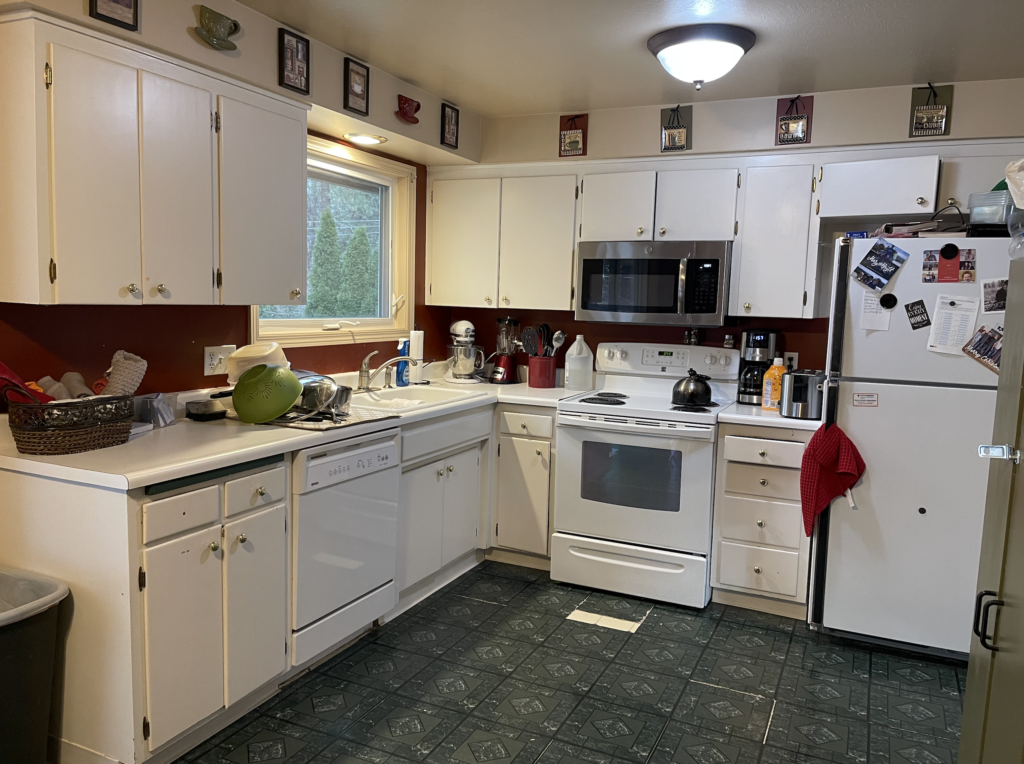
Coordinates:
983	637
977	610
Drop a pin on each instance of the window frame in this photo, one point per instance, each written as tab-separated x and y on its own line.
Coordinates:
400	178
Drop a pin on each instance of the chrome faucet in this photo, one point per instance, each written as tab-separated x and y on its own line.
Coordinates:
366	379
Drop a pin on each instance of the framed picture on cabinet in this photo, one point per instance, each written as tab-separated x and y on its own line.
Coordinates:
357	87
120	13
293	61
449	126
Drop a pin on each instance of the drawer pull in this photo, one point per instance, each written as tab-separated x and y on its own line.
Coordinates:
539	452
242	538
760	523
215	546
762	452
440	474
451	469
757	569
763	481
261	491
523	425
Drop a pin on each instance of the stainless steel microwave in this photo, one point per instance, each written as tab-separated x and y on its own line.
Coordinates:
683	283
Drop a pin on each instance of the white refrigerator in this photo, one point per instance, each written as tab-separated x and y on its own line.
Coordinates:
903	564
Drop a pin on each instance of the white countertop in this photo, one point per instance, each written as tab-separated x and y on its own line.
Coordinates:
741	413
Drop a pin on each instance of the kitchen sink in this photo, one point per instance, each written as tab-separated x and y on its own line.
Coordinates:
412	398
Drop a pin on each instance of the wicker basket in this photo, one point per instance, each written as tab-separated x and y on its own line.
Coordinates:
70	427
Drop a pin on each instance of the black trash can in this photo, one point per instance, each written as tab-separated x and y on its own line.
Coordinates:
28	641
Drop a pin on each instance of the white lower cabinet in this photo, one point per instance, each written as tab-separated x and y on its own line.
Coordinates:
461	504
524	477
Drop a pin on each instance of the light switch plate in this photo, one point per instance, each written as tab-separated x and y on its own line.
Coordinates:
791	360
215	359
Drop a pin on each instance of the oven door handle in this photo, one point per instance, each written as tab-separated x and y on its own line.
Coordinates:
682	431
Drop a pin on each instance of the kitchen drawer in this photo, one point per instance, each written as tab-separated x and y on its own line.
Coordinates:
253	491
759	520
433	438
526	425
180	513
775	571
770	482
776	453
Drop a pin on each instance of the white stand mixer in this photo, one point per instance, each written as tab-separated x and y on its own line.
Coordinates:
465	360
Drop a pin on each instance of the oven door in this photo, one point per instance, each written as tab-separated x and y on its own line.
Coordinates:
636	483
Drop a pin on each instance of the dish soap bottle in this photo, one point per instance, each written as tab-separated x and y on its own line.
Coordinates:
579	366
772	392
402	367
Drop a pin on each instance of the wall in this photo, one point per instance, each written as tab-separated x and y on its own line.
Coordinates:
990	109
41	340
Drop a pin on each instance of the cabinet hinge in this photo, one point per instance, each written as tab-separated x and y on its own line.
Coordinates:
572	293
581	230
817	207
53	271
581	184
47	75
577	192
145	728
821	171
142	579
431	288
216	122
220	279
739	180
736	228
814	184
499	449
286	647
805	297
495	529
431	196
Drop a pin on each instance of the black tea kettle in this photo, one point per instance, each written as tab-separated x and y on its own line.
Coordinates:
692	390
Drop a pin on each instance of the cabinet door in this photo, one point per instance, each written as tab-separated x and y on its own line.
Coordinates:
461	504
959	177
94	166
618	207
524	469
184	633
538	221
770	258
464	243
177	192
420	519
880	187
696	205
255	601
262	205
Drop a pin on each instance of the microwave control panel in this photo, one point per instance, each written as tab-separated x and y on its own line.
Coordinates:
667	360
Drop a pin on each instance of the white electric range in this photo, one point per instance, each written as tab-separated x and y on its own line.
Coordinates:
635	479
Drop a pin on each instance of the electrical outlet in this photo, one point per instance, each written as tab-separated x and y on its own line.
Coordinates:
791	360
215	359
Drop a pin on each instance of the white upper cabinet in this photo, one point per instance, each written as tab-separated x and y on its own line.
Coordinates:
262	205
770	256
464	243
178	179
538	222
696	205
902	186
94	153
618	206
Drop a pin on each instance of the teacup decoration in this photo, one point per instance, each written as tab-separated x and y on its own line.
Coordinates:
407	109
215	28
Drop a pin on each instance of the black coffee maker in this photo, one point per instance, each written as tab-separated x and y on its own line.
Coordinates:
757	350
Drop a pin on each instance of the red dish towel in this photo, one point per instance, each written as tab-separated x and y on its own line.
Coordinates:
830	467
8	377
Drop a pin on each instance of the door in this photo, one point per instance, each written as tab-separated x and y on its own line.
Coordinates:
696	205
184	633
464	243
255	601
420	523
177	192
538	223
770	259
262	205
94	165
992	732
901	566
904	186
524	470
461	504
618	206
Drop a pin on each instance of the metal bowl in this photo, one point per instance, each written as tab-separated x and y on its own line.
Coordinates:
322	394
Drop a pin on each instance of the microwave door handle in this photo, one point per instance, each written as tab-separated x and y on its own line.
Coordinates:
682	285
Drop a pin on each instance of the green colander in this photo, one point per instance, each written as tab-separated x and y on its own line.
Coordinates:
265	392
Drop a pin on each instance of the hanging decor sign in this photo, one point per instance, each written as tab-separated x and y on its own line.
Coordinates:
793	120
676	129
930	110
572	135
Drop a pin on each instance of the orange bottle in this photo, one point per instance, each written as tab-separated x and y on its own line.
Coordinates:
772	391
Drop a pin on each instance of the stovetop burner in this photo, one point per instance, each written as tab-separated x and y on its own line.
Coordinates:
694	409
612	395
606	401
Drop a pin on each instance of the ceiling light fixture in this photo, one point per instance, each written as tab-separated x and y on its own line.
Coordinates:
364	139
700	53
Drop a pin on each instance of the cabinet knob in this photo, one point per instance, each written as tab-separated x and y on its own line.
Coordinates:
487	300
757	569
763	481
296	292
261	491
661	232
922	201
762	452
451	469
746	307
760	523
504	300
440	474
161	288
523	425
215	546
242	538
640	231
133	289
951	202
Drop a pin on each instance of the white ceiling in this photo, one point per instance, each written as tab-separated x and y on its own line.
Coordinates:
507	57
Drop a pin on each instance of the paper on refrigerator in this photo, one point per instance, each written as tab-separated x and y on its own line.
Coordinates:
873	317
952	323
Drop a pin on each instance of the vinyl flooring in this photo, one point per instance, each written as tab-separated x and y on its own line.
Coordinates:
490	671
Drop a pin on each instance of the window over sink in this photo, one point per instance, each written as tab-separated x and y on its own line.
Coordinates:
360	221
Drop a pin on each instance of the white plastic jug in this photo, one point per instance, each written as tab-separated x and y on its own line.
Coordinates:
579	366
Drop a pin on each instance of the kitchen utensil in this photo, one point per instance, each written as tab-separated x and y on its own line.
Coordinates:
544	339
205	411
557	340
248	356
465	360
265	392
529	338
802	394
692	390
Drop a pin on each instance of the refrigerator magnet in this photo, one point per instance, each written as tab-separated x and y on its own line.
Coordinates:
917	313
879	265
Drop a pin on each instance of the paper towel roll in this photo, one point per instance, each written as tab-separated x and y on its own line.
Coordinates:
416	352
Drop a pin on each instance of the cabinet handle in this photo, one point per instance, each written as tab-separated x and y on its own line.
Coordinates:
440	474
661	232
922	201
215	546
746	307
757	569
951	202
763	481
762	452
296	292
523	425
451	469
261	491
133	289
161	288
640	231
487	300
504	300
242	538
539	452
760	523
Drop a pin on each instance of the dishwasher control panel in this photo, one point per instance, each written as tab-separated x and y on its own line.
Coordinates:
321	467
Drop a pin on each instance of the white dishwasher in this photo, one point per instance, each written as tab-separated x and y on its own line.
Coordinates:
344	540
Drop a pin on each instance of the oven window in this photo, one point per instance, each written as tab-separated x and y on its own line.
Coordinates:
630	286
632	476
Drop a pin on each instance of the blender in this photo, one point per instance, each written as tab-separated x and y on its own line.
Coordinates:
464	358
504	370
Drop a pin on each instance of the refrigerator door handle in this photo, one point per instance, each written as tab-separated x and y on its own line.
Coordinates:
983	636
976	626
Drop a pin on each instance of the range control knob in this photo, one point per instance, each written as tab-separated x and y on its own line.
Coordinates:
609	353
623	355
710	360
725	360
